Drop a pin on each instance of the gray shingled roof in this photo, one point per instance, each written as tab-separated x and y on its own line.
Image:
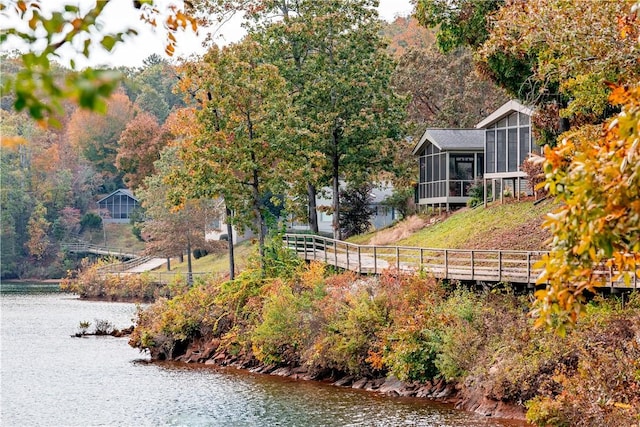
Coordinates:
452	139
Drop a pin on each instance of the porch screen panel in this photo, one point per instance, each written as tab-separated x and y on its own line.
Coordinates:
501	149
525	147
512	147
491	151
436	167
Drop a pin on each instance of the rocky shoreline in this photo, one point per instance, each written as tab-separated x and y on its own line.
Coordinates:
473	399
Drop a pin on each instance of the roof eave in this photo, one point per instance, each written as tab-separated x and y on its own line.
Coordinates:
504	110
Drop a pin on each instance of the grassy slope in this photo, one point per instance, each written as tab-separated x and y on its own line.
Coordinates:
117	236
515	225
215	263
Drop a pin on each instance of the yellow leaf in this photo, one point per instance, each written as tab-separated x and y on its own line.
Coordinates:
12	142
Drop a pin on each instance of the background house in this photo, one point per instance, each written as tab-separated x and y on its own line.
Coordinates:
383	215
118	206
450	161
217	227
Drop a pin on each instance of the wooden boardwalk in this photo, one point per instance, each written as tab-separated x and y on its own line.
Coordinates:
489	266
84	247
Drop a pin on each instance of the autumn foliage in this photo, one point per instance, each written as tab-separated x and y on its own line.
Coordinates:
596	227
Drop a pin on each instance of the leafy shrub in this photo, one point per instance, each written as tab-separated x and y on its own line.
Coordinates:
476	194
463	333
103	327
199	253
355	211
90	281
91	221
352	334
283	330
411	340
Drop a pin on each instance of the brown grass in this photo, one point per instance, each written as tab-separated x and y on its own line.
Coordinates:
402	230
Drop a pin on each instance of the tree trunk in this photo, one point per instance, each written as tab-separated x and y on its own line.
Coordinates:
189	269
313	209
336	189
232	261
168	263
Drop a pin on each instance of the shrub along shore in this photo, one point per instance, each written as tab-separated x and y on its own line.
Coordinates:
401	334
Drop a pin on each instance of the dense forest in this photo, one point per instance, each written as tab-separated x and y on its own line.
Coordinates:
52	176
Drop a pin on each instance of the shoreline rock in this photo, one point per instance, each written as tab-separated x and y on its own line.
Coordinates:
462	398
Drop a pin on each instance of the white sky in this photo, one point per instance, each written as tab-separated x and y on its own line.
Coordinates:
120	14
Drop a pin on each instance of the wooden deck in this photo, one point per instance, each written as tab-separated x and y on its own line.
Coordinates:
489	266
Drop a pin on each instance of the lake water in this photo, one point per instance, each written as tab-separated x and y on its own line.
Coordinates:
48	378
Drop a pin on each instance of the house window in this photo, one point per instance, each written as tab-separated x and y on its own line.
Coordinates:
433	173
461	174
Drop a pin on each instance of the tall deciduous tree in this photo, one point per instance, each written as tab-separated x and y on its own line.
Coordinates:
574	46
338	70
166	230
96	136
38	229
445	90
241	148
139	147
459	22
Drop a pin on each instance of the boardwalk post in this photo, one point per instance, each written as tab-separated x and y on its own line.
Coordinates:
359	259
528	268
375	260
335	252
315	248
325	252
347	248
446	264
472	267
499	266
305	246
421	258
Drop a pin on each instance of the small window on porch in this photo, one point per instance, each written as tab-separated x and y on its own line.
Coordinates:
461	174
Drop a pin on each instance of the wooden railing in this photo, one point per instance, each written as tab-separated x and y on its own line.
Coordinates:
124	266
492	266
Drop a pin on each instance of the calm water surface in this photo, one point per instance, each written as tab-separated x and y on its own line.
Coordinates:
49	378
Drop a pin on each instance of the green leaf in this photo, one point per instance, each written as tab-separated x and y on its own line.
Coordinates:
108	42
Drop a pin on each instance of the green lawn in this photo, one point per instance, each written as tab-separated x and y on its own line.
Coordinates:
216	263
472	226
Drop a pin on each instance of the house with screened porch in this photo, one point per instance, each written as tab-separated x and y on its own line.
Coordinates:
452	161
118	206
